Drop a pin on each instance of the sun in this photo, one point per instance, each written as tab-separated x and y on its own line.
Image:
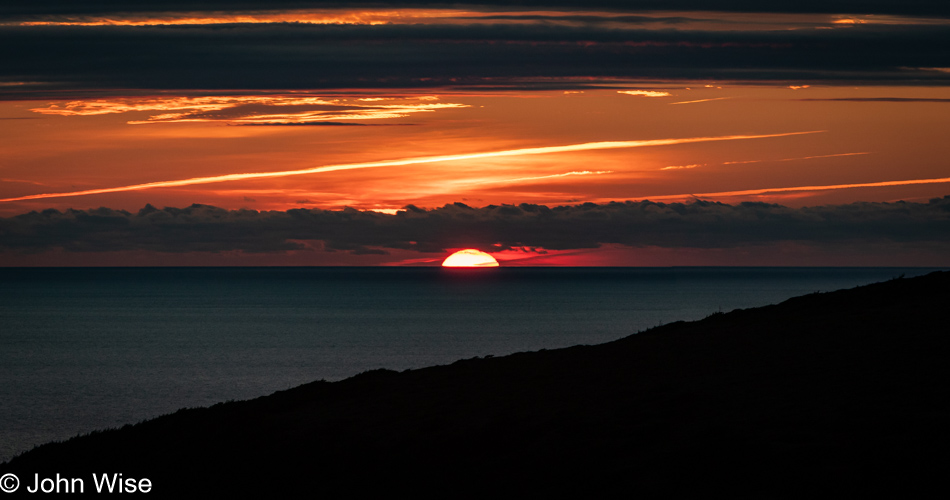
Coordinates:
470	258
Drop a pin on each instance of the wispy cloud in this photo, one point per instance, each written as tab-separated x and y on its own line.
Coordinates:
798	158
566	174
645	93
851	19
515	180
681	167
638	16
702	100
749	192
588	146
370	17
253	110
357	16
880	99
23	181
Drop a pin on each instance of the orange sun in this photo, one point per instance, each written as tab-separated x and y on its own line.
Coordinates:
470	258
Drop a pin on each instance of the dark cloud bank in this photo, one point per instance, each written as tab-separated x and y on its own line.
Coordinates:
47	60
73	7
700	224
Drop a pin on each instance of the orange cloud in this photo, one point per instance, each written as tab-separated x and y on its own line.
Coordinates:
251	110
645	93
352	17
308	16
851	20
667	20
680	167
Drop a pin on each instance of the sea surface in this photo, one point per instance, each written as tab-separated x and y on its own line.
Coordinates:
91	348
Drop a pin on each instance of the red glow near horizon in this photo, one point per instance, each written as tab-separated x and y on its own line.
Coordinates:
438	148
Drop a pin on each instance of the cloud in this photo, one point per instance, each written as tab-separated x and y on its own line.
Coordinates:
645	93
376	15
681	167
64	7
821	187
588	146
501	180
798	158
701	100
253	110
700	224
53	59
553	176
881	99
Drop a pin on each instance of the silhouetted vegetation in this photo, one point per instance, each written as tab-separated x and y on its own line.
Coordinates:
840	393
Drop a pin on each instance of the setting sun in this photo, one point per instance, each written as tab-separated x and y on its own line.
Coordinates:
470	258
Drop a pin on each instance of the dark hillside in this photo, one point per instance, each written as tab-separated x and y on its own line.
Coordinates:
833	393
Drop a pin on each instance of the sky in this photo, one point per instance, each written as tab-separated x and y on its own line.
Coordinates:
547	133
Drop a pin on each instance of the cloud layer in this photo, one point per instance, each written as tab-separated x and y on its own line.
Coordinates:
567	49
905	7
701	224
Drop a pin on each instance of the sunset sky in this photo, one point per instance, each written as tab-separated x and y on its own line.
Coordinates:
544	132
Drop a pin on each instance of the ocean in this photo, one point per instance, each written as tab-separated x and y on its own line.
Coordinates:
91	348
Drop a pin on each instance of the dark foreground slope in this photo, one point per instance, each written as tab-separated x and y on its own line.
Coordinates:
835	392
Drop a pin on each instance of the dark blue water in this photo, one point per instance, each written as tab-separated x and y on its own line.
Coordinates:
82	349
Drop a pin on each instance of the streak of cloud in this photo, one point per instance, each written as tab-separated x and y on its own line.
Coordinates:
681	167
589	146
22	181
645	93
881	99
538	178
415	14
701	100
854	9
798	158
748	192
307	16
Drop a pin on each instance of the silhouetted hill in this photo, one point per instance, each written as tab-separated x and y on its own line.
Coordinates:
833	393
